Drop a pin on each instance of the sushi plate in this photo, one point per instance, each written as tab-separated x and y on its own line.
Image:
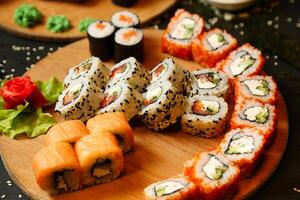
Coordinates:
147	10
156	156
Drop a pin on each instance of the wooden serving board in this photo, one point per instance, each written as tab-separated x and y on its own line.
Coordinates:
156	156
147	10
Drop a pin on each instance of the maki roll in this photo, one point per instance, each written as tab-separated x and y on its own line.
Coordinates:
131	71
92	69
260	88
246	60
101	39
205	116
125	3
121	98
210	82
129	42
125	19
114	123
213	46
175	188
215	176
79	101
68	131
56	169
183	28
243	147
163	104
100	159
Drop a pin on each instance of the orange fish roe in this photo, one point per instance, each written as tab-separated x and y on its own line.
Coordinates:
100	26
127	35
125	18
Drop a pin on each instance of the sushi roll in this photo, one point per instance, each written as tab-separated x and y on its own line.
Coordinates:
114	123
168	70
125	19
101	39
183	28
100	159
56	169
121	98
246	60
131	71
205	116
175	188
213	46
209	82
79	101
243	147
92	69
129	42
68	132
260	88
215	176
125	3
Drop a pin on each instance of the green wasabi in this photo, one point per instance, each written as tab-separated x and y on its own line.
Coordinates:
84	23
58	24
27	15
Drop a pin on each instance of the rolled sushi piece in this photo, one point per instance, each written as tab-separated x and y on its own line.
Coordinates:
205	116
243	147
101	39
183	28
121	98
125	3
131	71
213	46
56	169
163	104
246	60
129	42
175	188
214	175
79	101
125	19
260	88
113	123
67	132
100	159
92	69
209	82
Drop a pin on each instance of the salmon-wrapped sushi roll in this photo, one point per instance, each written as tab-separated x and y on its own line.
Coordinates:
213	46
215	176
175	188
113	123
181	31
100	159
56	168
67	131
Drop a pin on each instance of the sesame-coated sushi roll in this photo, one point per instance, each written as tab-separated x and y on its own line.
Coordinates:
210	82
246	60
92	69
56	169
131	71
205	116
121	98
79	101
175	188
181	31
100	159
114	123
163	104
125	19
260	88
129	42
215	176
213	46
243	147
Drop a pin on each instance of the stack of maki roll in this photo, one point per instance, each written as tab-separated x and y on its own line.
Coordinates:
125	19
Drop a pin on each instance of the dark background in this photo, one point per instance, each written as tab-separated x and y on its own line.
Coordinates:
272	26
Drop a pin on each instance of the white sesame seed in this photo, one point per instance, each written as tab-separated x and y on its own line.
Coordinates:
275	57
3	196
20	196
27	48
8	181
33	49
228	16
32	65
236	26
241	24
9	185
3	71
289	19
298	25
241	32
276	26
27	58
275	63
4	61
28	53
41	48
276	18
12	70
267	56
38	57
50	49
269	22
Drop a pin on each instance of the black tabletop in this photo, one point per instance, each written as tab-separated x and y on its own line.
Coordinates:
271	25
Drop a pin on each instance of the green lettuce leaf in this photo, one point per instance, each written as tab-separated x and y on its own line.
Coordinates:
50	89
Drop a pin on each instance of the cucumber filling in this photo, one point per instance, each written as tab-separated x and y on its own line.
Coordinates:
257	87
214	168
72	94
169	187
184	30
208	80
258	114
152	96
112	96
205	107
240	144
242	61
216	41
81	69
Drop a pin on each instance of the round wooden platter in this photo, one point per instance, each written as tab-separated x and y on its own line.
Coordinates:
156	156
147	10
